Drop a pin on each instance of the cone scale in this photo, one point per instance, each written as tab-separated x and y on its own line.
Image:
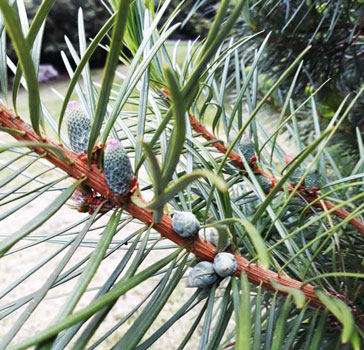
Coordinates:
78	127
117	167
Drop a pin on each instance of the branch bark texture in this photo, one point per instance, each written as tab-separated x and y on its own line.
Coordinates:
95	179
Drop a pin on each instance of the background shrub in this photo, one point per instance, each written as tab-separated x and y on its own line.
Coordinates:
62	21
335	31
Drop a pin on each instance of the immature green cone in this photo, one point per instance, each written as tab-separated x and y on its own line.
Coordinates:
78	126
118	170
202	275
296	176
225	264
185	224
247	148
312	182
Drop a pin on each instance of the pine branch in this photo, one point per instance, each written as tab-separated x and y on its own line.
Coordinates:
322	204
95	179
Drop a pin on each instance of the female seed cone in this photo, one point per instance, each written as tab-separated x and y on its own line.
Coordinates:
185	223
118	170
313	182
202	275
78	126
225	264
247	148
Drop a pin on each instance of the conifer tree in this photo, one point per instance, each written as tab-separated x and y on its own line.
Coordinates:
177	185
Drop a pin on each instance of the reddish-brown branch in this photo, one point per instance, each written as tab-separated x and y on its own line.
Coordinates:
95	179
341	213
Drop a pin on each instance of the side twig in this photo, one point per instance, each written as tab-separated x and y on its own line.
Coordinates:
341	213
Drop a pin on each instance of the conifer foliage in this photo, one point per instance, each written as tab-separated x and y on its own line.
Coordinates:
335	31
183	187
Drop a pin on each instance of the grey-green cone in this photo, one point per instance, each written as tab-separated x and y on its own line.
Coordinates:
117	167
246	147
225	264
312	181
78	126
185	223
296	175
202	275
